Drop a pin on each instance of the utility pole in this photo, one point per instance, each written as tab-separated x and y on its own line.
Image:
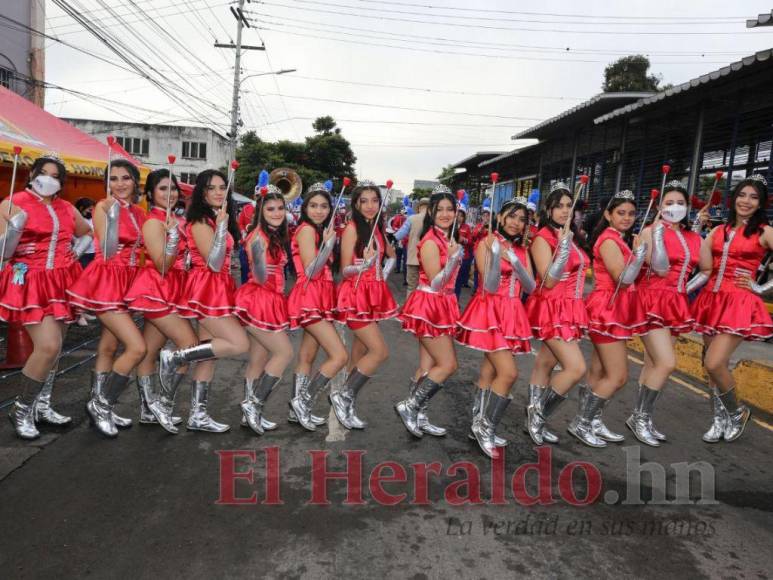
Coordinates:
241	22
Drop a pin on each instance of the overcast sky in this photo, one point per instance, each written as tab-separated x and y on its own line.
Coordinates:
486	69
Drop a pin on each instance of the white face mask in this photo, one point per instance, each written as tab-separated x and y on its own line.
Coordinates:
674	213
46	186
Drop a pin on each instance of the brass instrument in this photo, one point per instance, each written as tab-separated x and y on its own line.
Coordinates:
288	182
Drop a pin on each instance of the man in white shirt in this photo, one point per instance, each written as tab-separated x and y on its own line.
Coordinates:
412	228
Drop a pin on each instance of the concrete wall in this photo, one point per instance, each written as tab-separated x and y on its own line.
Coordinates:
15	44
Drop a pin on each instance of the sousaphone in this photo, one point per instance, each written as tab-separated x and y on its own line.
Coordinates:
288	182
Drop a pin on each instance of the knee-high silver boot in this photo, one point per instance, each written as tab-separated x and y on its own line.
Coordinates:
149	392
599	428
303	403
199	419
100	409
535	393
170	360
537	415
492	410
343	400
266	425
582	425
737	415
423	418
655	433
300	384
97	386
44	412
639	422
162	406
719	418
22	411
252	405
477	405
409	408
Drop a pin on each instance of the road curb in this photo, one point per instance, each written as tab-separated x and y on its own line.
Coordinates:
754	378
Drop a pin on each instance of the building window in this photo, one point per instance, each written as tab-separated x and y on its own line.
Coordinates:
194	150
188	178
5	77
134	145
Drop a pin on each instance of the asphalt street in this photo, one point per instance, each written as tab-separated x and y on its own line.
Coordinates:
151	505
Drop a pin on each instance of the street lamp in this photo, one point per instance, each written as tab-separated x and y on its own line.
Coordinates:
271	72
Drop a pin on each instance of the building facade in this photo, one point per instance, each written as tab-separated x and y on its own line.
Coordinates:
196	148
22	52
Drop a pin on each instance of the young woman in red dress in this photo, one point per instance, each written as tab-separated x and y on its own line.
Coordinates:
102	287
311	305
495	320
556	312
157	293
211	232
262	307
431	312
662	288
729	309
364	298
614	316
38	266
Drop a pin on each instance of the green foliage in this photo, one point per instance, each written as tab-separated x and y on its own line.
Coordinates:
629	73
446	172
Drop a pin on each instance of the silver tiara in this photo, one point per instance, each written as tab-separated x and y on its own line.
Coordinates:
760	178
518	200
625	194
271	188
558	185
315	187
675	183
366	183
440	188
52	156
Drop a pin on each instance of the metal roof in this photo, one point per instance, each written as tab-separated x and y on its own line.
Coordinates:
762	20
580	114
743	64
472	161
507	155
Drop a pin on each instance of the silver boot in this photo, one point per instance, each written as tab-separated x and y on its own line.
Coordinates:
639	422
199	419
581	426
303	403
100	409
300	383
423	418
162	406
717	429
484	429
147	394
22	412
43	411
738	415
409	408
477	405
252	405
97	385
537	415
535	392
264	423
599	428
170	360
344	399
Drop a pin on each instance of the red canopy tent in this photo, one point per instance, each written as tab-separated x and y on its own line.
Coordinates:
24	124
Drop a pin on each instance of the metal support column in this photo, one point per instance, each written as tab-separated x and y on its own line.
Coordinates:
697	150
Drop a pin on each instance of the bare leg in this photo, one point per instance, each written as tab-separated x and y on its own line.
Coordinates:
505	371
426	362
327	337
487	373
154	341
278	348
306	354
717	362
357	351
614	363
441	349
121	325
258	358
572	363
228	339
47	344
376	351
543	366
106	349
659	358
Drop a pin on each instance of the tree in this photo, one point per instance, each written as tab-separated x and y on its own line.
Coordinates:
325	125
446	172
629	73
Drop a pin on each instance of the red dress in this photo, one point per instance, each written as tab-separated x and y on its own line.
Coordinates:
310	300
665	298
627	317
427	313
207	294
498	321
724	308
264	306
368	301
154	295
104	283
559	312
34	280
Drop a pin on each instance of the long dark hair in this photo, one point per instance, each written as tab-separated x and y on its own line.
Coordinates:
429	217
152	181
37	167
361	224
759	218
133	172
508	209
603	222
681	189
553	200
277	237
305	217
200	211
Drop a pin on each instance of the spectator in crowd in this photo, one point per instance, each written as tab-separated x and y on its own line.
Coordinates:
465	240
411	230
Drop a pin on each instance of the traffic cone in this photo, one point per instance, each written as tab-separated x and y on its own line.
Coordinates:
18	346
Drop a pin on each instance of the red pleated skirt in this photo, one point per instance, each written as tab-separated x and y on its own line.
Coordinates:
156	296
261	308
43	293
207	294
102	287
370	302
667	309
624	320
556	318
492	322
741	313
311	303
429	315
